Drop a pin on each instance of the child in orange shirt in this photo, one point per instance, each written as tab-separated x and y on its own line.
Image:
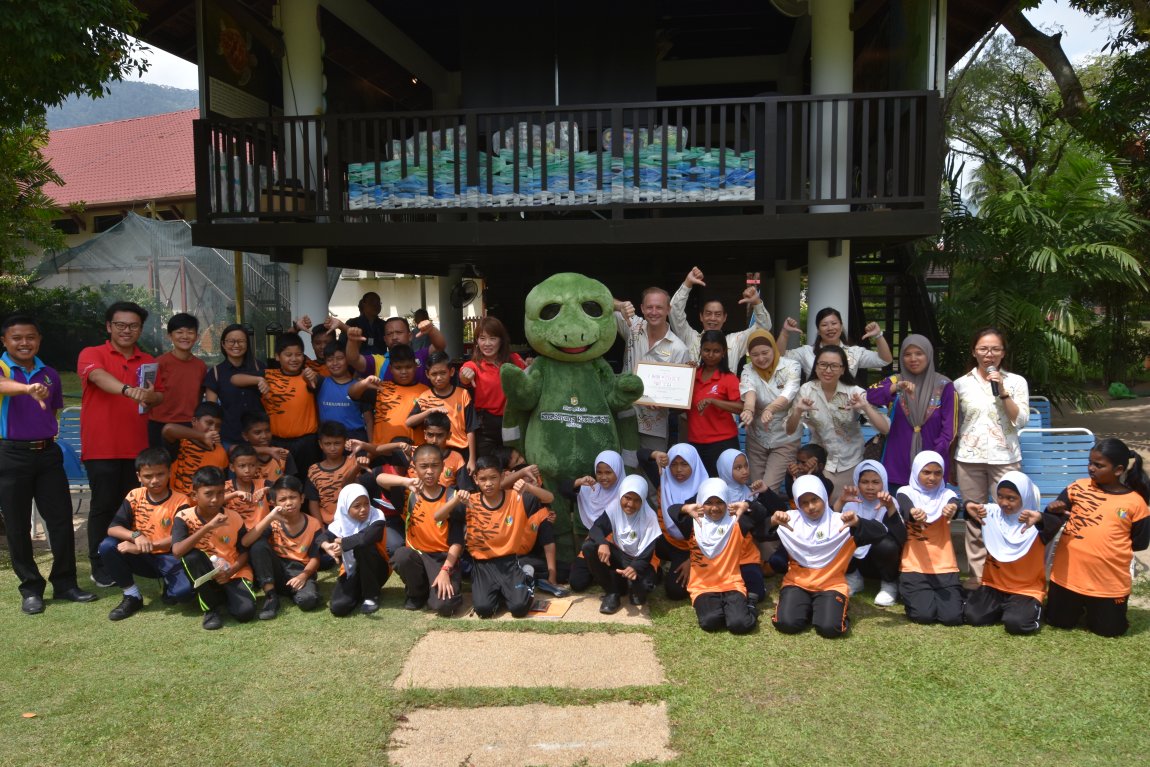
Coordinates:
275	462
394	399
199	445
248	490
928	578
326	478
455	401
285	548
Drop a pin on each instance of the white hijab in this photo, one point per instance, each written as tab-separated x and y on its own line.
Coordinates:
864	508
726	465
711	536
1005	537
343	525
814	543
672	492
633	532
594	500
933	501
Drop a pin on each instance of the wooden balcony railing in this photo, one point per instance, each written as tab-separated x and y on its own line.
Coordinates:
767	155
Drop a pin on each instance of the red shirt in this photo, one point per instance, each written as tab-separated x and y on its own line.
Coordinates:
111	425
487	388
713	424
182	382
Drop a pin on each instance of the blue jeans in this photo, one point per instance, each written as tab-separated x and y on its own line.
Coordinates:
166	567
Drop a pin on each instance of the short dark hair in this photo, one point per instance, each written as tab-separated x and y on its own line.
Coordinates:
250	419
153	456
288	340
19	319
488	462
210	409
438	357
241	450
332	429
437	420
338	346
208	476
183	320
287	482
126	306
420	314
390	320
424	449
816	451
401	353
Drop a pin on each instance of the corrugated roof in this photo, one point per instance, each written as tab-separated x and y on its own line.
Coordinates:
126	161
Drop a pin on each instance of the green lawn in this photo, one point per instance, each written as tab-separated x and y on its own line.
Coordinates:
311	689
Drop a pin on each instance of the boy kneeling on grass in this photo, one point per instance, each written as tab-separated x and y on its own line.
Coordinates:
285	548
207	537
139	539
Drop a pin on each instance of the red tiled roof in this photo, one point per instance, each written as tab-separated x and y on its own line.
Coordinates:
136	160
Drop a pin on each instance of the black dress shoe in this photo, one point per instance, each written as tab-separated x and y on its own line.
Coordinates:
610	604
128	607
75	594
32	605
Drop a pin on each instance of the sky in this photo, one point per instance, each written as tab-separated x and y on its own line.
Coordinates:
1082	36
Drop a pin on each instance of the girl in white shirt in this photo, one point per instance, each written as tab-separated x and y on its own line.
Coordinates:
829	324
768	386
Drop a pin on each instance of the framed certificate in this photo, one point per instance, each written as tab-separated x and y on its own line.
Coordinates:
666	384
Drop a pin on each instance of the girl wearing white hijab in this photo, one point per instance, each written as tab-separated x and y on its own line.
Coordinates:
734	469
821	543
928	580
679	482
357	540
716	530
870	498
1014	578
620	545
592	494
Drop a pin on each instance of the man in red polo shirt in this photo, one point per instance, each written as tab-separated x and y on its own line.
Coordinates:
113	431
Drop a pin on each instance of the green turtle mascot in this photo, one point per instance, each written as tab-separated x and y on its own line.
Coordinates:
569	405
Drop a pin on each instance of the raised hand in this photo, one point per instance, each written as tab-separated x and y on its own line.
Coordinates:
849	519
692	510
791	325
758	486
850	494
858	401
906	387
782	519
354	333
303	323
39	392
1029	518
466	376
661	459
1057	507
750	296
746	416
976	510
587	481
694	277
310	376
918	515
949	510
872	330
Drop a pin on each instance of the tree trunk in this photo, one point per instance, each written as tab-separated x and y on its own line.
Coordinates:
1048	49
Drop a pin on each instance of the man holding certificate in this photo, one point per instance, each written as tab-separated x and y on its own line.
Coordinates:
649	339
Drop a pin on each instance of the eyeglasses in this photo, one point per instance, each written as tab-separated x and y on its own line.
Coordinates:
828	366
126	325
989	350
235	342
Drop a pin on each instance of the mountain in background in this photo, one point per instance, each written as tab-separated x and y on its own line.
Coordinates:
126	100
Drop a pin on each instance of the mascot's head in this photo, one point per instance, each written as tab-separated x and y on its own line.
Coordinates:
569	318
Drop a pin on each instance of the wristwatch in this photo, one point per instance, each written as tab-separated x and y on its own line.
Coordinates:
136	534
124	391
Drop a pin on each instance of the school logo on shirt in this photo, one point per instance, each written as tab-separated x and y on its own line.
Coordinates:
721	529
715	389
165	522
225	539
508	521
630	536
1123	513
820	535
574	400
448	473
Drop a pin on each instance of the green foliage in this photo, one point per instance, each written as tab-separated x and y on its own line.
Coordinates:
26	210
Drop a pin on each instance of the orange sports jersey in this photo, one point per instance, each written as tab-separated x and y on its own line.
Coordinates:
393	404
1025	576
928	549
298	547
320	368
424	534
222	542
453	465
272	468
155	519
290	405
251	511
831	577
1093	557
458	404
501	531
191	457
710	576
681	545
750	554
324	487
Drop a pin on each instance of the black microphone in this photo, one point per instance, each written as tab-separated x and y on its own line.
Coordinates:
993	384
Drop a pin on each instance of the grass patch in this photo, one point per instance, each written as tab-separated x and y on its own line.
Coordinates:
310	688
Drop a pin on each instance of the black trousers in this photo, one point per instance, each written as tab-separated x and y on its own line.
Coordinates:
305	450
489	437
365	582
579	578
729	610
156	437
709	452
273	571
110	479
419	569
27	475
932	598
236	594
881	561
609	580
674	557
500	581
799	609
986	606
1105	616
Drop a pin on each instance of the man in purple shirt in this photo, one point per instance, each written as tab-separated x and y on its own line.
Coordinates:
33	466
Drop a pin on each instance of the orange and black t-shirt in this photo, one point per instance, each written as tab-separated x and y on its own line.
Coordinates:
152	518
273	468
223	541
393	404
423	532
251	511
1025	575
510	528
290	405
453	467
929	549
720	573
323	486
302	546
1094	554
460	412
192	456
830	577
320	368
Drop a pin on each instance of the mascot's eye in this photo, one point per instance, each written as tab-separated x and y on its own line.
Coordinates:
592	309
549	312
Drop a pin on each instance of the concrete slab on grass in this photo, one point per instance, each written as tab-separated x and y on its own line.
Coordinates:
449	659
602	735
583	608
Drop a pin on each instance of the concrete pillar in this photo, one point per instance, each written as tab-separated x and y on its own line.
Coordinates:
828	281
450	318
788	297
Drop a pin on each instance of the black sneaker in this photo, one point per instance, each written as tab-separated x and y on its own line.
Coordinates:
369	606
213	621
414	604
639	598
610	604
102	579
128	607
271	607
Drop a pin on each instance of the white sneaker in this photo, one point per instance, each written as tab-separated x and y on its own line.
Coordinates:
887	595
854	582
